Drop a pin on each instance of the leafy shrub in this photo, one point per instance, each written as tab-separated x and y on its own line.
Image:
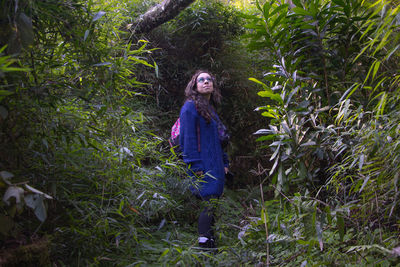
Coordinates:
314	78
78	126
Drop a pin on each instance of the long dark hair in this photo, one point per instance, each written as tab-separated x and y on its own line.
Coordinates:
203	106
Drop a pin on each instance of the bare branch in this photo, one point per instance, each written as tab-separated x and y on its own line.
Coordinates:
158	15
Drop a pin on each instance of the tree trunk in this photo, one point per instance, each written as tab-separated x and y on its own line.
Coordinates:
158	15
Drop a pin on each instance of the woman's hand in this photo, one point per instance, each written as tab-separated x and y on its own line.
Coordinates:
226	170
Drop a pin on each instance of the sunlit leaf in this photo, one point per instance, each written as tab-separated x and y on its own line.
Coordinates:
98	15
13	192
301	11
6	176
35	202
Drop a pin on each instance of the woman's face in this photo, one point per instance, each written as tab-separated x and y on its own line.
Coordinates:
204	84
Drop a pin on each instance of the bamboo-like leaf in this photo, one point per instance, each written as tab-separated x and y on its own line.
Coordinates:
292	93
376	68
297	3
387	57
383	42
141	61
98	15
258	81
301	11
266	138
310	143
264	214
366	179
275	153
277	21
266	9
271	95
380	107
349	91
268	114
274	166
361	162
278	9
165	252
265	131
86	35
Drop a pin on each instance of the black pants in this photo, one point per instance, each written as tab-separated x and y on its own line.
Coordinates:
206	218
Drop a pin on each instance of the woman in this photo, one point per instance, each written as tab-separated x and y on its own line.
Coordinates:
201	148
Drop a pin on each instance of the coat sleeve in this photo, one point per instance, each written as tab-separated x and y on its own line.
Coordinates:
225	159
189	141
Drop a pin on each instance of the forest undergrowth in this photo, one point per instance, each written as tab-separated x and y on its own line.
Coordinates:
87	175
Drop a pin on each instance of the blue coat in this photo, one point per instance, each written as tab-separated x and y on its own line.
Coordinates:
204	153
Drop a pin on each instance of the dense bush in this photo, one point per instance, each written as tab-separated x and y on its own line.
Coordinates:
87	179
76	124
328	86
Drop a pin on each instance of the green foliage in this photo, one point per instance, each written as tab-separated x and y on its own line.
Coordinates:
81	115
78	125
333	109
305	230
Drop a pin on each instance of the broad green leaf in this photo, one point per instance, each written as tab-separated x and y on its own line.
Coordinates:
380	107
264	215
266	138
268	114
163	254
3	48
301	11
271	95
376	68
383	42
257	81
313	9
277	21
266	9
141	61
279	8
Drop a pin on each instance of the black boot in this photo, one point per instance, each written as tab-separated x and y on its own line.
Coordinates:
205	242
